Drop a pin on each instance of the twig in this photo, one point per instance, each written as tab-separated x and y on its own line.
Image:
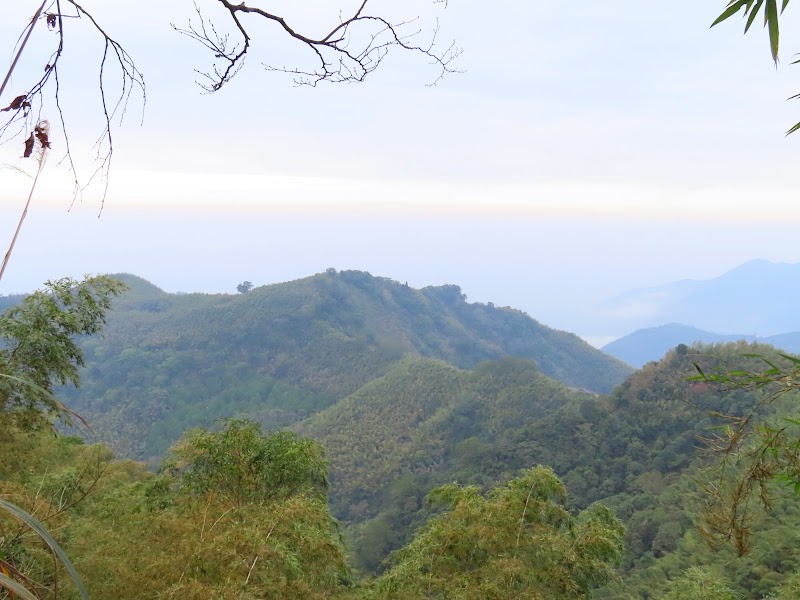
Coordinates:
250	572
338	62
524	511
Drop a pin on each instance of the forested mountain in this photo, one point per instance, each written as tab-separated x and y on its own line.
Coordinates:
436	423
279	353
432	461
637	449
430	420
645	345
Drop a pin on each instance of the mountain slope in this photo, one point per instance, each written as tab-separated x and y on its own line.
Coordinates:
426	423
282	352
425	417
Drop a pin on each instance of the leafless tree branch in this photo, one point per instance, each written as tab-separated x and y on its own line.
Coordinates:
346	52
339	59
21	108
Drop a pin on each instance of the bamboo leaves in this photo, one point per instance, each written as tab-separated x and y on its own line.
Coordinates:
751	10
772	16
16	588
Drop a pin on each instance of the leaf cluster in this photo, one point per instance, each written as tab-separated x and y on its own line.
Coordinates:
517	542
38	346
240	465
771	17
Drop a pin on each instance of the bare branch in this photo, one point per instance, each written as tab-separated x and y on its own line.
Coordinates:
131	78
337	61
348	51
22	112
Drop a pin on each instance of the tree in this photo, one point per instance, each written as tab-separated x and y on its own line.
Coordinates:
244	287
38	348
756	452
235	513
240	465
519	542
142	535
699	584
37	351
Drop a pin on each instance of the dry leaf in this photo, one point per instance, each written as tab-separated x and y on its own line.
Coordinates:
28	146
17	103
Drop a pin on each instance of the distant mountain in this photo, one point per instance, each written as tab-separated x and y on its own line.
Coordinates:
10	300
278	353
645	345
758	298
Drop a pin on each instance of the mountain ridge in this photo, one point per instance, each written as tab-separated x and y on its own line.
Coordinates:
650	344
284	351
756	297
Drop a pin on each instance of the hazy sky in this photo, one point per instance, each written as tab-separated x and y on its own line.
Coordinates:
588	148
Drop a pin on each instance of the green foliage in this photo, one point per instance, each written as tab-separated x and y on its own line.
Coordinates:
241	465
636	450
38	347
756	451
45	477
750	9
373	434
790	588
771	17
664	513
518	542
31	522
425	424
237	513
699	584
283	352
132	534
196	548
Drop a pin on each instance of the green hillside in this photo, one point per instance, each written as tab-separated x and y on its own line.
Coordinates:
424	418
433	468
279	353
425	424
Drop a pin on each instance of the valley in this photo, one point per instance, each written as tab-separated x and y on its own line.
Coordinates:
406	393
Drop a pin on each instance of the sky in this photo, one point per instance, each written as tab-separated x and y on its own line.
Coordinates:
586	149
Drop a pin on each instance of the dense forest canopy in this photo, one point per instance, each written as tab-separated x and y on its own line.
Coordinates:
360	501
280	353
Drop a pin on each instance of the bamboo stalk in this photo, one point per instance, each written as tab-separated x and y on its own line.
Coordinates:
22	47
24	212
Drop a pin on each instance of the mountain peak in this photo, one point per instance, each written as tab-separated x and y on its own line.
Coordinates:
138	287
762	265
757	297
